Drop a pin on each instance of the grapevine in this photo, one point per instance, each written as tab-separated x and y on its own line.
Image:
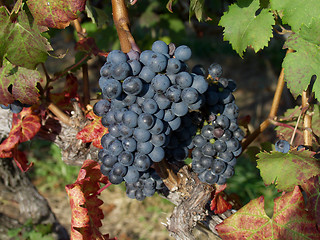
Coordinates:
159	122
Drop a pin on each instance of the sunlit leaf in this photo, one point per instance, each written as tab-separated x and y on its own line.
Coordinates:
287	170
86	214
94	131
290	220
55	13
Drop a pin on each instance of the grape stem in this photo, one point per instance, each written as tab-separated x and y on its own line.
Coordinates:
170	179
273	110
122	23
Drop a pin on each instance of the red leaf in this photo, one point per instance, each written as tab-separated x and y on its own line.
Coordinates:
21	160
290	220
25	126
219	204
86	214
55	14
88	45
93	132
312	188
62	100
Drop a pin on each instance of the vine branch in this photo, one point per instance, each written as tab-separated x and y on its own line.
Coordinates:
122	23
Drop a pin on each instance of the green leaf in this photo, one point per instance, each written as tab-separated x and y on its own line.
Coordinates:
98	16
55	13
18	83
26	46
287	170
242	28
196	8
301	65
297	12
290	220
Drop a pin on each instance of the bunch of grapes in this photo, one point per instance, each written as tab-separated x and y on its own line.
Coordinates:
152	107
218	143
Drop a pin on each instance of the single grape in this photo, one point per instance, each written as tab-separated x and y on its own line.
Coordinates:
132	175
146	121
200	83
215	70
135	67
173	66
111	88
183	53
144	147
282	146
160	47
141	135
120	71
125	158
183	79
116	56
180	108
142	162
189	95
132	85
173	93
160	83
157	154
101	107
129	144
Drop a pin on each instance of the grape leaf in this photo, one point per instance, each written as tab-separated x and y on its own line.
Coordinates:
98	16
312	188
86	214
26	46
5	29
21	160
290	220
196	8
55	13
25	125
93	132
287	170
88	45
301	65
292	115
243	28
18	83
218	204
70	91
296	12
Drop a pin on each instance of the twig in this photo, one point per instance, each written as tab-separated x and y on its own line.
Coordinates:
72	67
295	128
59	114
86	85
79	29
307	120
273	110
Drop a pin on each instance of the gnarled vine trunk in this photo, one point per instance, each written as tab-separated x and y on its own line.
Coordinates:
19	199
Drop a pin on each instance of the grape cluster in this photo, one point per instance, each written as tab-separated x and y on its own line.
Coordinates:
218	143
153	109
15	107
145	106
